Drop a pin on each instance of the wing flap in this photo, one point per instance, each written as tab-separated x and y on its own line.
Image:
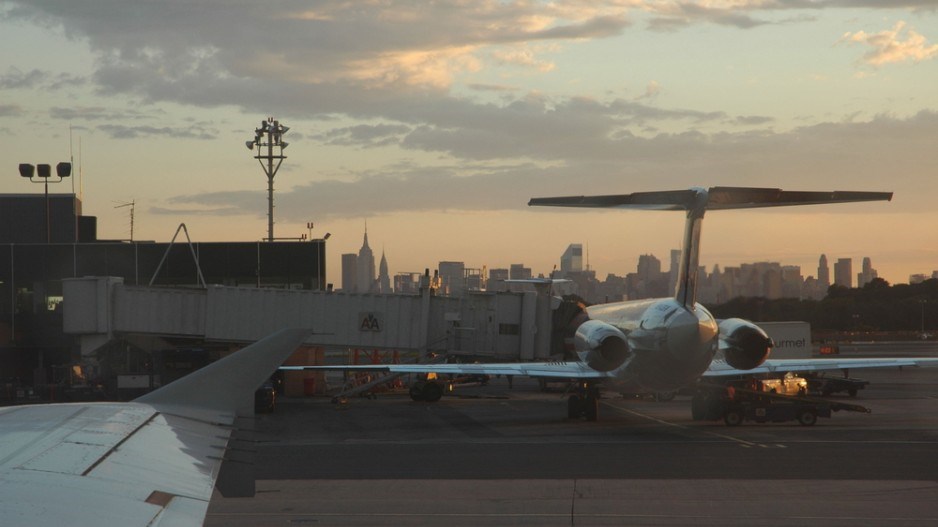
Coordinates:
67	439
141	463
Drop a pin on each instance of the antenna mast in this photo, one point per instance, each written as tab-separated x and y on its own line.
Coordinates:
132	204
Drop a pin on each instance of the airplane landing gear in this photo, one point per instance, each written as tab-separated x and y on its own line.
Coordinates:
584	403
429	391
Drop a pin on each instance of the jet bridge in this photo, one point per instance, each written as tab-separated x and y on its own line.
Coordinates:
503	325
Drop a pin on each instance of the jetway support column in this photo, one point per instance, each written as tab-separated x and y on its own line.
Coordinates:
528	341
423	331
89	312
542	321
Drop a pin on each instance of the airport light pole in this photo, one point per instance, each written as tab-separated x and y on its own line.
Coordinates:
42	174
268	140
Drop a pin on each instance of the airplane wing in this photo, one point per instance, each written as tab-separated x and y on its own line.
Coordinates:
557	370
150	462
719	367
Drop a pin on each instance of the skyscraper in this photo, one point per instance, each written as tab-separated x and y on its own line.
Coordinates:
823	274
365	277
384	280
843	272
350	272
649	267
571	261
675	269
867	274
453	277
519	272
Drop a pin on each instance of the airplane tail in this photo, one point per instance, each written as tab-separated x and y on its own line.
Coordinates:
695	202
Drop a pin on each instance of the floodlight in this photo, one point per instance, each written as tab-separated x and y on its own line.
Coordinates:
269	135
43	173
63	170
284	144
326	237
284	129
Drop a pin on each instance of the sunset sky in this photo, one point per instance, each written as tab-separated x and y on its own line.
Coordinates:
437	122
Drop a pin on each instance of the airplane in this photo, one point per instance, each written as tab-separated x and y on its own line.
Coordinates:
663	344
153	461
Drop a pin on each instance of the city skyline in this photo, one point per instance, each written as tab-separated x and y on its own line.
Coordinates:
771	279
439	122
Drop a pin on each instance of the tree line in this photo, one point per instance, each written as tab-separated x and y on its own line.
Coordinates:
875	307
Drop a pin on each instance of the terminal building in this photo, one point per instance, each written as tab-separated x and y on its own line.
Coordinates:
78	309
44	241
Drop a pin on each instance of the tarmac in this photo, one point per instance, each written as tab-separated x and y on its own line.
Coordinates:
496	455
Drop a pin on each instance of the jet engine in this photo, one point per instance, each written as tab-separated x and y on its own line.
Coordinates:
601	346
743	343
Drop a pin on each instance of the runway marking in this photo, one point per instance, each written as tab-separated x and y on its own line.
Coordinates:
741	442
298	517
585	440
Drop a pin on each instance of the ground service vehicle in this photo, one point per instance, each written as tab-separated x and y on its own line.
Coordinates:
737	402
823	385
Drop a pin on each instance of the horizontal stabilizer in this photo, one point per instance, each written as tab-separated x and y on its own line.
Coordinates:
696	202
718	198
747	198
664	200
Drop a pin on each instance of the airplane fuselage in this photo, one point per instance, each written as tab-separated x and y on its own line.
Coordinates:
670	345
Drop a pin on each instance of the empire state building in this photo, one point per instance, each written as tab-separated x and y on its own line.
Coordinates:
365	282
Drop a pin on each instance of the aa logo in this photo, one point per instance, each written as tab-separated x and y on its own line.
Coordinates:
369	322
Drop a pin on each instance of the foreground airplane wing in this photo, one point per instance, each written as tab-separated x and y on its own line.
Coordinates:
150	462
719	367
559	370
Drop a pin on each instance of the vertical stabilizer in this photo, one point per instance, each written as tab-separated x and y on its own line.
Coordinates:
686	292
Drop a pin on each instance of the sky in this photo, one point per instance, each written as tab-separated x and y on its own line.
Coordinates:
435	123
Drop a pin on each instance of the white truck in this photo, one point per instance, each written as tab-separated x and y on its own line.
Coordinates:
792	339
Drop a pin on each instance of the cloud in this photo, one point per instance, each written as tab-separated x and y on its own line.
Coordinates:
117	131
391	61
862	154
522	57
483	87
17	79
752	120
651	91
95	113
366	136
10	110
742	14
394	43
888	46
218	211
